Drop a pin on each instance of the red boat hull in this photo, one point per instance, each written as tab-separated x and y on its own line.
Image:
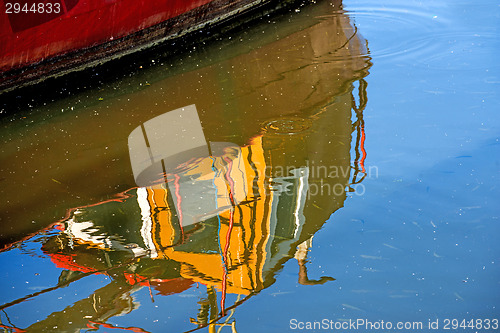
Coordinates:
85	32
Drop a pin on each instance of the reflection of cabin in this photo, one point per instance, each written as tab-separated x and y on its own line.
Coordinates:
248	239
257	223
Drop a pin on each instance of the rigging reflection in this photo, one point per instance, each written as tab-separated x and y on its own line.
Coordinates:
228	193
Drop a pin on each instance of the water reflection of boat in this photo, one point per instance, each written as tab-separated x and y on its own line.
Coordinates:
257	212
267	79
281	173
46	39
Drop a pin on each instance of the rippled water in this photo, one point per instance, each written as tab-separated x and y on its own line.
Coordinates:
320	164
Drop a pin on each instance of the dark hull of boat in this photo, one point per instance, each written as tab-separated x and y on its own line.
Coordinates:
34	47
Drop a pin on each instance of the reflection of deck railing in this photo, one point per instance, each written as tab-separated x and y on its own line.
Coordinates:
359	127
